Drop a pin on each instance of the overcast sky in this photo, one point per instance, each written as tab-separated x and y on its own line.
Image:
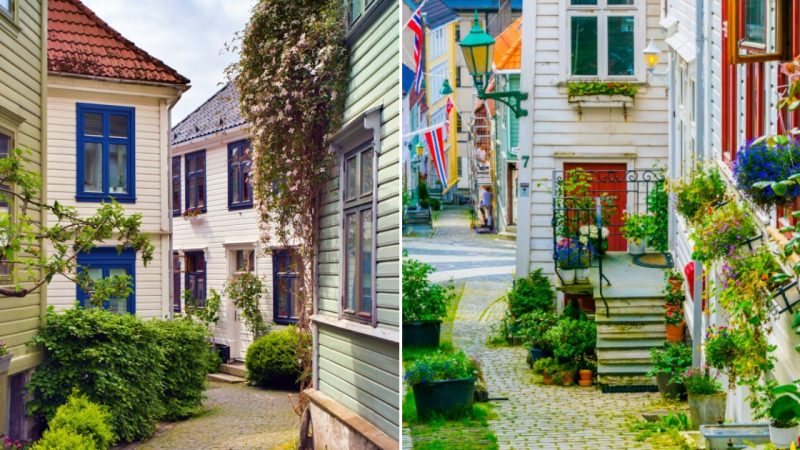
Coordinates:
188	35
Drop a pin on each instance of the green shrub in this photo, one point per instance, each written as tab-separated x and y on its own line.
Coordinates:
63	439
188	359
571	339
671	358
422	299
273	361
441	366
88	419
579	88
544	366
534	326
534	293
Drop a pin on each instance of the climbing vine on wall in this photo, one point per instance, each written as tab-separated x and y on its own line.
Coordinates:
292	77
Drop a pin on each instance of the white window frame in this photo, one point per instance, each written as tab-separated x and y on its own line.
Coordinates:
436	78
438	42
603	11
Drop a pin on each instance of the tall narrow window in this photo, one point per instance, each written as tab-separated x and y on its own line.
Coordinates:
195	278
196	181
176	186
286	281
105	262
603	38
176	282
6	144
358	293
106	163
240	191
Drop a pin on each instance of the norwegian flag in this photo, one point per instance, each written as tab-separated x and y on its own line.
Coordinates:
447	110
415	24
435	140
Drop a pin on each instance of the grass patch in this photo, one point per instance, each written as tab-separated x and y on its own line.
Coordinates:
663	432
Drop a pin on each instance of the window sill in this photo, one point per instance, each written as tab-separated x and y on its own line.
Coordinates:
602	101
97	198
284	321
240	206
359	328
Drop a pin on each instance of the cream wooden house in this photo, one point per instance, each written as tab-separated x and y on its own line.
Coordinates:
108	117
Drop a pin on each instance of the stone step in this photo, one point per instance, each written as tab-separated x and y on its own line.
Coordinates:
634	302
623	369
624	356
624	330
625	380
615	310
235	369
627	319
224	378
633	335
606	343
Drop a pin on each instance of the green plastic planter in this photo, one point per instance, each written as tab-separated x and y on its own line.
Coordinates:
445	398
421	334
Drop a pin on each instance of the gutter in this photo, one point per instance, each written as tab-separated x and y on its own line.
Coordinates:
181	87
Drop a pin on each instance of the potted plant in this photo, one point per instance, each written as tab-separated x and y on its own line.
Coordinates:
701	190
192	214
669	362
5	358
636	230
675	324
762	171
586	368
424	304
564	374
443	384
720	232
571	254
706	398
534	326
594	238
781	405
572	338
545	367
674	280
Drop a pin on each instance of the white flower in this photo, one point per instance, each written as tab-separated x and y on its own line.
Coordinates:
584	240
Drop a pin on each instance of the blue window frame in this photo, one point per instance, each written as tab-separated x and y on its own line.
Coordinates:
196	180
285	283
106	153
103	262
176	186
240	162
196	277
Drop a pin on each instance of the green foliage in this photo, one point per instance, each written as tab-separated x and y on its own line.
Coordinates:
534	326
63	439
273	360
88	419
531	294
580	88
720	232
208	313
673	294
544	366
432	203
673	315
120	286
188	359
699	192
119	361
571	338
670	423
638	227
700	382
3	348
422	299
245	291
441	366
575	193
785	408
671	358
658	206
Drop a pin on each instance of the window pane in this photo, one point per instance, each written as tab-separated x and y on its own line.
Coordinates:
755	21
5	144
366	261
118	305
584	46
247	194
621	2
94	274
620	45
366	172
201	190
283	297
92	167
6	5
118	126
92	124
583	2
235	174
350	258
191	196
118	169
350	178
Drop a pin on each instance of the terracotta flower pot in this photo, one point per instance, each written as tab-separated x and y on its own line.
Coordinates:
567	378
547	379
676	284
586	378
675	332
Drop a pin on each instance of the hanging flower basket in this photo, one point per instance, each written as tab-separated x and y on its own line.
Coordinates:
760	170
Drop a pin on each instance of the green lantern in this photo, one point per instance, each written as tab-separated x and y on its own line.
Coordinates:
478	48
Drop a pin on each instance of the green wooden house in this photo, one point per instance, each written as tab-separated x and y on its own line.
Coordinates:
355	398
23	80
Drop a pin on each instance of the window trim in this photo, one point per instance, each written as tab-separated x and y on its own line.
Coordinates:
12	134
287	252
9	19
246	204
176	208
735	33
108	258
177	294
194	155
602	11
105	141
192	253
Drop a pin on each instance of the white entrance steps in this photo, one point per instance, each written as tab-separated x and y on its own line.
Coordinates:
224	378
229	373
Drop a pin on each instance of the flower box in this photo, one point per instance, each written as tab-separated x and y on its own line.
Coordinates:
601	101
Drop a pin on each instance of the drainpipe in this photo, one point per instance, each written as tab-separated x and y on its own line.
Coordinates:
170	263
700	142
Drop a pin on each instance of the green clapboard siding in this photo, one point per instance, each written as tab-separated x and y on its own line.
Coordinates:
513	85
22	80
359	371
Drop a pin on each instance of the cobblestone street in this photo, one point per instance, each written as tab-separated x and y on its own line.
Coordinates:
529	416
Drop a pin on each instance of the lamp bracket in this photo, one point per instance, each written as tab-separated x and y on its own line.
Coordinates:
512	99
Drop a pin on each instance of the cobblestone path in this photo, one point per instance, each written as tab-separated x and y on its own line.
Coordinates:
533	416
237	417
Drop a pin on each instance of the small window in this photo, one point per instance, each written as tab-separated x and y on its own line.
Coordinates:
176	282
756	30
286	281
7	7
244	261
196	181
603	38
106	164
104	262
240	191
176	186
195	277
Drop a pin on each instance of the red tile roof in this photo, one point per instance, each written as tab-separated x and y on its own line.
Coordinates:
80	43
508	49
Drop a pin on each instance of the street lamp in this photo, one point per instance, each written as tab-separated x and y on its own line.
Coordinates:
446	89
652	54
478	49
420	150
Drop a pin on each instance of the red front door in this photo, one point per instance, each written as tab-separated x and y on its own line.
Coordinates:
608	179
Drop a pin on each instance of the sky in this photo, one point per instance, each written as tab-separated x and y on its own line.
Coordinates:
188	35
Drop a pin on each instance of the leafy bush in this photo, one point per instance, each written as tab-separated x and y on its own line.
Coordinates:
579	88
63	439
638	227
571	338
658	205
544	366
534	326
534	293
719	233
88	419
672	358
245	292
422	299
188	359
273	360
700	382
441	366
696	194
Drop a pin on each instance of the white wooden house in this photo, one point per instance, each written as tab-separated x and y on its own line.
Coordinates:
108	122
